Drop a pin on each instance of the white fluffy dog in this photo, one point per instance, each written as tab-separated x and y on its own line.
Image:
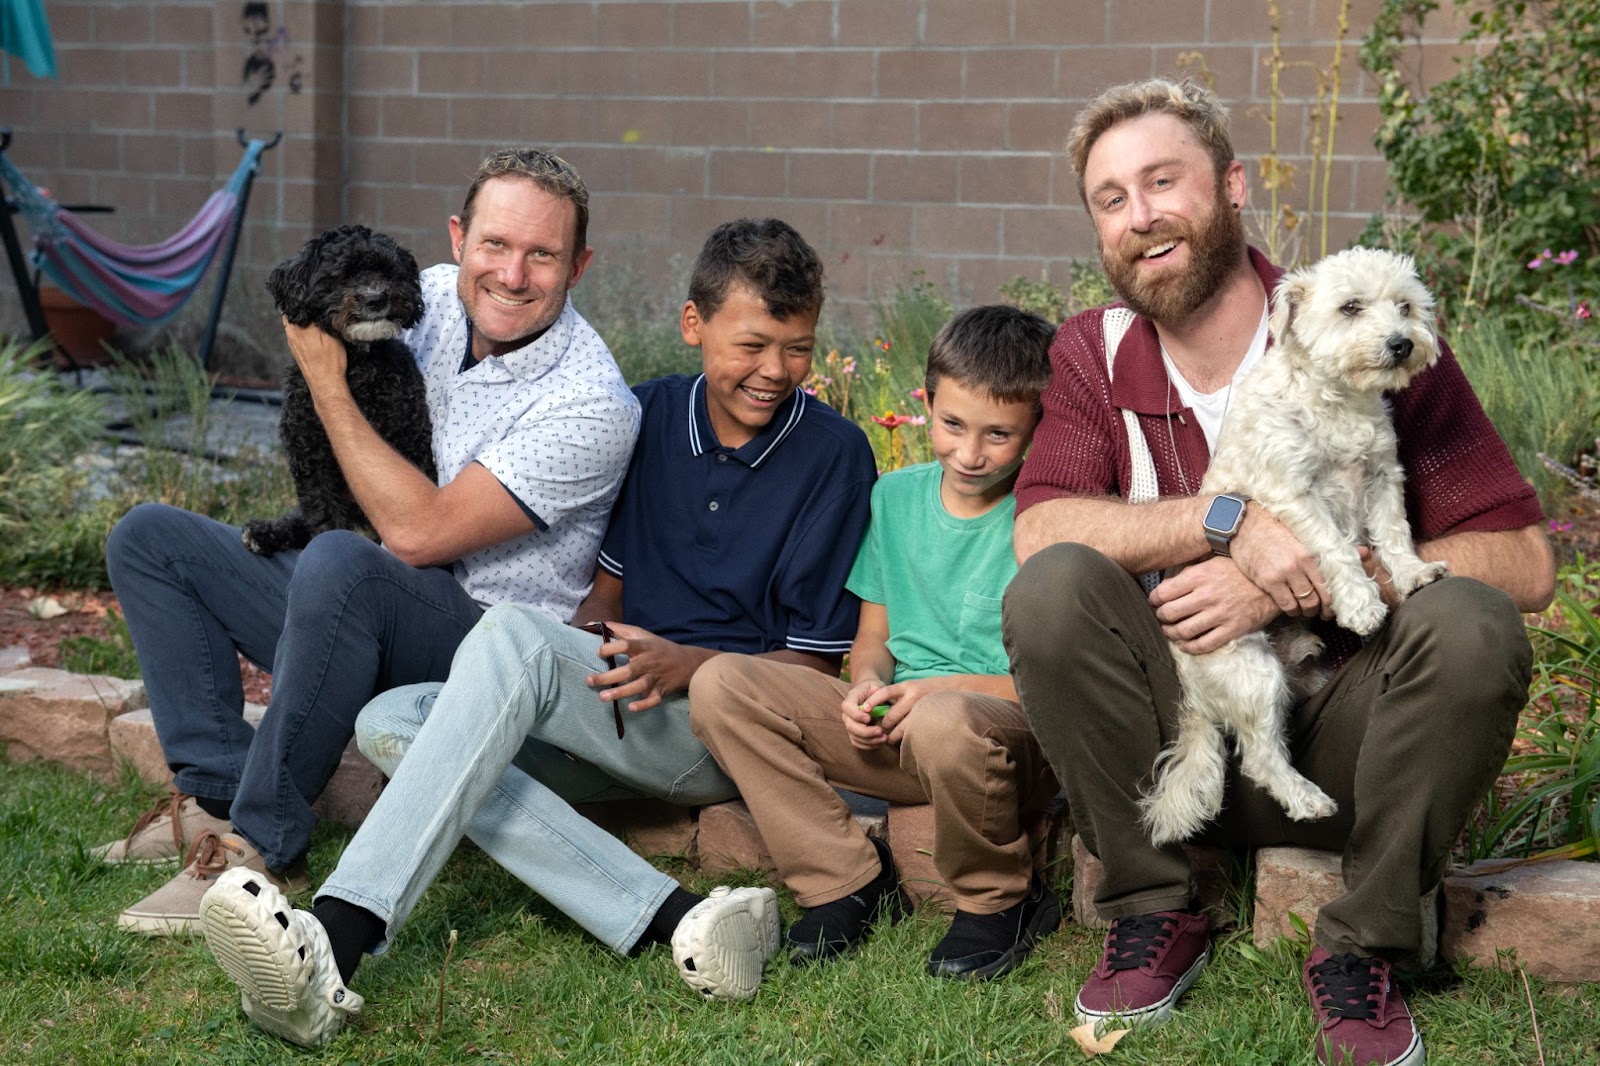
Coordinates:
1308	438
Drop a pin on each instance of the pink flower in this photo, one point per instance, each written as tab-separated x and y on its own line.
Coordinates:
920	395
891	421
1583	311
1557	526
1568	256
918	420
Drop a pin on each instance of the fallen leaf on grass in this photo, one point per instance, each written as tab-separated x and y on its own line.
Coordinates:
1093	1045
46	608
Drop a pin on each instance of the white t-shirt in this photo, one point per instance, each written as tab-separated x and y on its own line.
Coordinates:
1210	407
553	421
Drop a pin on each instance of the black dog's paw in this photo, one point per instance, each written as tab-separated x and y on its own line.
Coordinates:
266	537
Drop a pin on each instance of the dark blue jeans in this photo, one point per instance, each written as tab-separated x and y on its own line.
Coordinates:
336	623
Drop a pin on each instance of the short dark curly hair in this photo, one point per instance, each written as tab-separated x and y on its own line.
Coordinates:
547	170
999	350
769	256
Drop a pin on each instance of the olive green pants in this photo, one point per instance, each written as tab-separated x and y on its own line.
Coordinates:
1406	738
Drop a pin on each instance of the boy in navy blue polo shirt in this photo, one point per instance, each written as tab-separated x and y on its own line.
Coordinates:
736	528
930	714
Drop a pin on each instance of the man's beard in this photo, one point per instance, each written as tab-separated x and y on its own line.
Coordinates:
1214	251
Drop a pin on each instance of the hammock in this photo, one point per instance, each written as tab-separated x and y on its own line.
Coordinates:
133	285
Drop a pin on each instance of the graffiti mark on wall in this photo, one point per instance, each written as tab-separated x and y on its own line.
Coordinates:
268	48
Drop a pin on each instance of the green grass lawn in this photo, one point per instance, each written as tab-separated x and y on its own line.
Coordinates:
526	986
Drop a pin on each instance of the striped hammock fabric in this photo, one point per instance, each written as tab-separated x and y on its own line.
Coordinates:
133	285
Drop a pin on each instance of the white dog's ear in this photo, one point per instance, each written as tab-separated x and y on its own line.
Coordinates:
1286	302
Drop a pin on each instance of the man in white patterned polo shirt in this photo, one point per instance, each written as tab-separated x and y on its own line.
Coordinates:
533	427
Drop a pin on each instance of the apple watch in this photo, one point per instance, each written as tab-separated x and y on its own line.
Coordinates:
1223	519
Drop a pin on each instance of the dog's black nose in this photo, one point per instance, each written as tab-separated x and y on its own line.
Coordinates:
378	302
1399	349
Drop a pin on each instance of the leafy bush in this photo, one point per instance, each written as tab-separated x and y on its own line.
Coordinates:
1502	159
1089	287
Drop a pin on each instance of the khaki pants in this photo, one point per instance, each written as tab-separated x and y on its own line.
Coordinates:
1406	739
775	729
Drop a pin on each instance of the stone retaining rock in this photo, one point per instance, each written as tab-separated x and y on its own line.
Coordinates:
64	717
1547	912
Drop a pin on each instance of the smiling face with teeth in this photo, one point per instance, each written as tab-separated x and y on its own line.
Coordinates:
753	361
517	263
1169	234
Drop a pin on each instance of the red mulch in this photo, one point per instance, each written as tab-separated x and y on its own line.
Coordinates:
86	616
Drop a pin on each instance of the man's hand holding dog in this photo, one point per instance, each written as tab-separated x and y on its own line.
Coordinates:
320	356
1269	573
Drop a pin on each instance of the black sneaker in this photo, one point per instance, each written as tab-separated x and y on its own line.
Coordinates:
981	946
827	931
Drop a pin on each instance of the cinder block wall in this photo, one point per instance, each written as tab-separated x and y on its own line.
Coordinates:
896	134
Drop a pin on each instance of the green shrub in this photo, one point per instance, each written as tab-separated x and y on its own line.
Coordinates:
1501	159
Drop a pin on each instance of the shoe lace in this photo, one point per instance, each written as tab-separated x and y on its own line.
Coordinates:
209	856
167	806
1134	941
1347	986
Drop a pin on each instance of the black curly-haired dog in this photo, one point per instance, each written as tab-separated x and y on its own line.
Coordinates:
362	287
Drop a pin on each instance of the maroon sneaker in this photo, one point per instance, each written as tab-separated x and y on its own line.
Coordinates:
1362	1017
1150	960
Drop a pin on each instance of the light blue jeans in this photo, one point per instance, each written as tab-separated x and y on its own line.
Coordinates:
500	752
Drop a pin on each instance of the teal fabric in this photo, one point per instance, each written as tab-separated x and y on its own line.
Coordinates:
940	578
25	33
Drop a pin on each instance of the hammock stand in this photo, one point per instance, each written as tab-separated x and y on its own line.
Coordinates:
133	285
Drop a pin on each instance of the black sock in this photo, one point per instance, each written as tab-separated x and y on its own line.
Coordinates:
216	808
351	930
666	919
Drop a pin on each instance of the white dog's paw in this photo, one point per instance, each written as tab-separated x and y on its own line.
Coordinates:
1312	804
1363	618
1425	574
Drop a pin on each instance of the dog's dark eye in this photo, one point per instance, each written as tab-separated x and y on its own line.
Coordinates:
1351	309
1405	310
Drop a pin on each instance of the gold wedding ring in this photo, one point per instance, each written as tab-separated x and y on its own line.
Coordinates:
1306	595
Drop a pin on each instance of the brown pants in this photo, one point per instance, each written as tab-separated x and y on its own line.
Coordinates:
1406	739
775	729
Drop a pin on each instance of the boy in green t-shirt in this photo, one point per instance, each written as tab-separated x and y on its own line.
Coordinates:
931	715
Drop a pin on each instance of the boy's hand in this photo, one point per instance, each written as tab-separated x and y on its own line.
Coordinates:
858	721
656	667
900	698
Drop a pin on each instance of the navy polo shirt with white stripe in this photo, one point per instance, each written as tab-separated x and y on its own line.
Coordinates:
741	549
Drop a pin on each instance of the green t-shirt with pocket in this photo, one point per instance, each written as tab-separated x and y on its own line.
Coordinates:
940	577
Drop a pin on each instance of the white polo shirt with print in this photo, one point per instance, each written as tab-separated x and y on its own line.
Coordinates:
553	421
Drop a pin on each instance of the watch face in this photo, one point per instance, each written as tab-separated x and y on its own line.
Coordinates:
1224	514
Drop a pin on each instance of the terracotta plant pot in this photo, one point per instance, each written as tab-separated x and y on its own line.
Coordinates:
78	330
